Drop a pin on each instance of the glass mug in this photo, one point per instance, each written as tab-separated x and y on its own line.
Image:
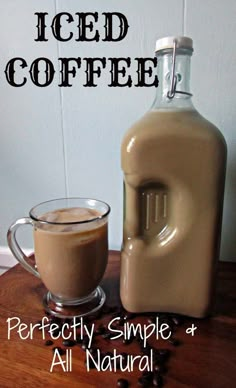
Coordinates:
71	253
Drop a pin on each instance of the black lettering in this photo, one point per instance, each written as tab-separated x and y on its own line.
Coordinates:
10	72
35	72
90	71
56	26
84	26
66	71
142	71
109	24
115	71
41	26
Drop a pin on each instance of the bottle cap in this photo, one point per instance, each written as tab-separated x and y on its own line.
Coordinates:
168	43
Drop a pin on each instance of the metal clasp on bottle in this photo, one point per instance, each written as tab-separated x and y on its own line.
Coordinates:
171	93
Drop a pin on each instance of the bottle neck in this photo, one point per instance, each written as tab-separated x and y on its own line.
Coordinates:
182	72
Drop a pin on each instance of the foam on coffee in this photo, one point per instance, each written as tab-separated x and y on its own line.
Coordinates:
68	215
71	220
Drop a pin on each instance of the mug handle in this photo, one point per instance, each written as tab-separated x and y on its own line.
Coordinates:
15	248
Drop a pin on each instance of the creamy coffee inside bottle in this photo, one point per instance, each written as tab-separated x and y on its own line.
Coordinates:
173	161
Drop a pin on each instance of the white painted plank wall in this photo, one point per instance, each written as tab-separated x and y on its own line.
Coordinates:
212	25
31	146
56	142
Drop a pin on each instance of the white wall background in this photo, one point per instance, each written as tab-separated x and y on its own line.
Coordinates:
57	142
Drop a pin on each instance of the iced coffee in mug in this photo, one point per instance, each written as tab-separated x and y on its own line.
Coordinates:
71	252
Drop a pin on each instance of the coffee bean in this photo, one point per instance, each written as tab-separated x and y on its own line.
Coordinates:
85	343
85	338
105	362
157	380
143	383
93	351
124	356
56	332
120	311
161	356
84	346
118	364
129	316
174	341
121	321
102	355
164	352
69	343
163	316
112	327
139	339
177	320
68	321
128	341
78	320
90	364
96	316
48	343
165	319
145	349
107	336
122	383
79	340
151	320
160	368
115	316
60	350
100	330
148	376
56	320
108	356
86	320
108	309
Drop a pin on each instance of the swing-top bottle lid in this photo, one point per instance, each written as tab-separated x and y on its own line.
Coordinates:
168	43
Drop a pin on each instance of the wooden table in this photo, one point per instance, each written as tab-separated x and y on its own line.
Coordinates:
207	359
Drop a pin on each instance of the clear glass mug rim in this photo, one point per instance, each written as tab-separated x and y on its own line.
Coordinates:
99	218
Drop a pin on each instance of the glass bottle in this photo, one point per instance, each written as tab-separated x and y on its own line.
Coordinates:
174	162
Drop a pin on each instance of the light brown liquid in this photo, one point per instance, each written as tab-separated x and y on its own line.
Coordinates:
174	166
71	259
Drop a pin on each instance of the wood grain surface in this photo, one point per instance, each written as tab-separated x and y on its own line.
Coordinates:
207	359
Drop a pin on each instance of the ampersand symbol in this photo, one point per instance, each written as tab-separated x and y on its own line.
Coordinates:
191	330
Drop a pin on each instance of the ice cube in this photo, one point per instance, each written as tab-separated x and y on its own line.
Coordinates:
50	217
